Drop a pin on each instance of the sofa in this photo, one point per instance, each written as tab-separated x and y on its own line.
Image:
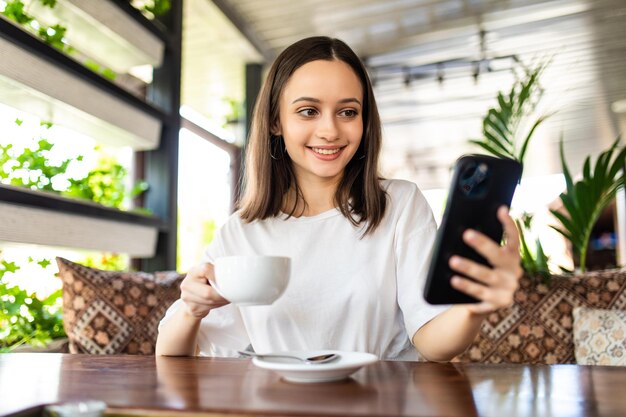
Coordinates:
578	318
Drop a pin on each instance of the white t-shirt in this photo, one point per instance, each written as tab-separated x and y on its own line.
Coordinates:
346	292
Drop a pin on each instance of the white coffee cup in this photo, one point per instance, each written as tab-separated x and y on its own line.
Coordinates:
251	280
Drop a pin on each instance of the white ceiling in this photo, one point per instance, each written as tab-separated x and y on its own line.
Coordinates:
427	123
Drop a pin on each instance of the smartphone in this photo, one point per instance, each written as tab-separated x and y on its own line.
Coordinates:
480	185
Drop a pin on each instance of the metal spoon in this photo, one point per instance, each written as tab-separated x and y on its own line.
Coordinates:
312	360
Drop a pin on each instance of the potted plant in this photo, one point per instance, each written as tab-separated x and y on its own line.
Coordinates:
584	200
506	133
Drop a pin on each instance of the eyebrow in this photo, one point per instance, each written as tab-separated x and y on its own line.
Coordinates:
315	100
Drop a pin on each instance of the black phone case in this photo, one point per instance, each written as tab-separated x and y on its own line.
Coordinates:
480	184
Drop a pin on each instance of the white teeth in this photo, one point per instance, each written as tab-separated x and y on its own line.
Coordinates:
325	151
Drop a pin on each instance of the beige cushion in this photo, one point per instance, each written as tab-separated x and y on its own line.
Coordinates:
599	336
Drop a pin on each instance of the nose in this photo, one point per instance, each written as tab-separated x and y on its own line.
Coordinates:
327	128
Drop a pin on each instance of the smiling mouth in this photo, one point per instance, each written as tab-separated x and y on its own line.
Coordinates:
323	151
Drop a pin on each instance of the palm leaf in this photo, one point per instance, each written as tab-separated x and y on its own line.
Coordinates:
585	200
489	148
501	124
526	141
496	143
568	177
497	124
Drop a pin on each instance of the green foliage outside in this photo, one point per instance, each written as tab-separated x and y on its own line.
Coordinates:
25	319
107	262
31	168
209	227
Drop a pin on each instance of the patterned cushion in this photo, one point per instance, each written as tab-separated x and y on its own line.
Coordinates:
599	336
106	312
538	327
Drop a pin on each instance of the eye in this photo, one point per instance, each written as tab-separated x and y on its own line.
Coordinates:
350	113
307	112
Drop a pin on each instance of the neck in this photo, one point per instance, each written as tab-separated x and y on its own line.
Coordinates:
318	197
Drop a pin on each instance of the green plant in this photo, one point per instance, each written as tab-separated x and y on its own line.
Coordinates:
16	11
53	35
107	262
31	168
105	184
157	7
503	127
236	111
25	319
505	135
584	200
535	263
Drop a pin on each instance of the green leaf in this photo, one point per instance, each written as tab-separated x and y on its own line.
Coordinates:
14	10
488	148
501	135
498	124
53	35
568	177
585	200
496	143
526	141
158	7
44	263
49	3
9	266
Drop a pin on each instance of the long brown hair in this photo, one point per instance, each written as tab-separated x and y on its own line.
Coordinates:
269	177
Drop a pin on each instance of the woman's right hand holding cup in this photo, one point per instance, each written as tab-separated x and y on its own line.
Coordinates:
198	296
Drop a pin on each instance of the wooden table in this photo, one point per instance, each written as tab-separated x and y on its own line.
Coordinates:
149	386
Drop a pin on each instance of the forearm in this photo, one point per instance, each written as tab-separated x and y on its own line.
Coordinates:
448	334
178	336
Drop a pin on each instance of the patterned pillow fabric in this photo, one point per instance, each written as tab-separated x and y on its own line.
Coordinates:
538	328
599	336
107	312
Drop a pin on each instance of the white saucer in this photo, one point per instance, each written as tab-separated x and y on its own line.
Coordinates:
341	368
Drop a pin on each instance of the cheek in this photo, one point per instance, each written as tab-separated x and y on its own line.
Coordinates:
295	134
355	131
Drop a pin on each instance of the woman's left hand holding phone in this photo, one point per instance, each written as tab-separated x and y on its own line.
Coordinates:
494	287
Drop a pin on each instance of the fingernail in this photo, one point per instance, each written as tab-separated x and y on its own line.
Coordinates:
455	261
470	234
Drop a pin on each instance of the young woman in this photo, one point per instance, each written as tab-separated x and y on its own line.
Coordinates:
359	244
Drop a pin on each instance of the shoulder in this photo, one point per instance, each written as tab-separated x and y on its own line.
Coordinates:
408	207
402	191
